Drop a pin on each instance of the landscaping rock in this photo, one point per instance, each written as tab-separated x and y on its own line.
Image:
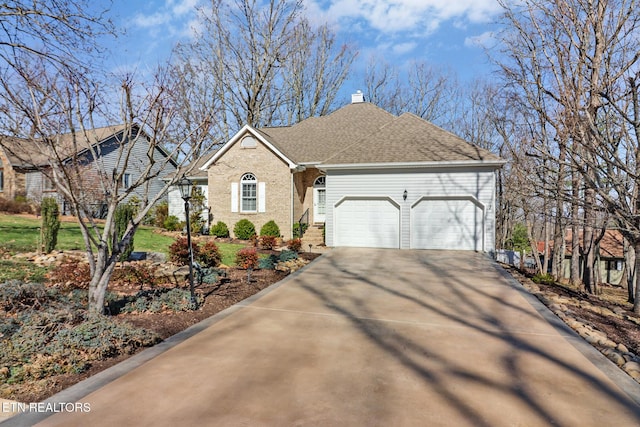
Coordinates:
614	356
291	265
633	369
622	348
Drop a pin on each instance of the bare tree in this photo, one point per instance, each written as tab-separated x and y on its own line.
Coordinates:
263	63
426	91
55	100
61	113
579	57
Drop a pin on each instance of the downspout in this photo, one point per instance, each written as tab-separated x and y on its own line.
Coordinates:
294	170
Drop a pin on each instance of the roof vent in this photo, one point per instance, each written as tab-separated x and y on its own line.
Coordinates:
357	97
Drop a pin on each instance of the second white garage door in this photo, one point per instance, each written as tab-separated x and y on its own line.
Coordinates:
447	224
367	222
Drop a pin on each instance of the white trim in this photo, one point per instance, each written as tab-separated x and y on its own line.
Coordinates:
367	197
407	165
317	188
469	197
262	196
246	129
234	197
248	179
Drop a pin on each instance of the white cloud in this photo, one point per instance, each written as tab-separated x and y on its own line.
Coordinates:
171	13
402	48
153	20
392	16
486	39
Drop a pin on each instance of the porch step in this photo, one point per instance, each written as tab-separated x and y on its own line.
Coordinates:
313	236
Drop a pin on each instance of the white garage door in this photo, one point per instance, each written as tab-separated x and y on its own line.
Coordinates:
447	224
369	223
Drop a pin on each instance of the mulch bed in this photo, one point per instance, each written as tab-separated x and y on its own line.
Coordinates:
217	297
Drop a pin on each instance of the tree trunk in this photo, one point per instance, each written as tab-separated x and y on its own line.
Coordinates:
575	231
636	303
588	240
629	269
558	250
100	280
547	237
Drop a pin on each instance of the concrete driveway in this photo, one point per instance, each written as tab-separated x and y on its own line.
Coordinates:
368	337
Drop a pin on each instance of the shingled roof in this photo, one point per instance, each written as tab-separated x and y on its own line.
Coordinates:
25	153
315	139
362	133
410	139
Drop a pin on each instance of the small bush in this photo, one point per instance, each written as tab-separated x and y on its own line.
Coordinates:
210	275
179	251
288	255
299	229
157	300
268	263
60	340
545	279
294	245
136	274
209	254
267	242
102	337
70	274
161	214
220	229
16	295
270	229
244	229
50	224
172	223
123	215
247	258
19	205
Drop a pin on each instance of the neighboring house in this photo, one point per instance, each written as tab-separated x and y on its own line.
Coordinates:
372	178
200	179
23	166
609	255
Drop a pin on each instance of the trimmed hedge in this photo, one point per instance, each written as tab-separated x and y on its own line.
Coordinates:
244	229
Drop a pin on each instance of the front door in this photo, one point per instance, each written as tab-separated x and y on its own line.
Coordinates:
319	199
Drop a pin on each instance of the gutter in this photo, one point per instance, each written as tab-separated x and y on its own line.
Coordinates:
408	165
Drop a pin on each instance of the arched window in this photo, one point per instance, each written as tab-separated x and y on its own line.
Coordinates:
248	192
248	142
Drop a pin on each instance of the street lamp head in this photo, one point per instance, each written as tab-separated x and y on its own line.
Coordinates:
185	186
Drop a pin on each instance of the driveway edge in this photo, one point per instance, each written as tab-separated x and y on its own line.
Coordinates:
627	384
85	387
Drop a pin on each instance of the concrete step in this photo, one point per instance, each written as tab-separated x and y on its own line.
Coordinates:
313	236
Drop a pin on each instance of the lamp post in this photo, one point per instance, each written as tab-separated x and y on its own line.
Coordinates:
185	186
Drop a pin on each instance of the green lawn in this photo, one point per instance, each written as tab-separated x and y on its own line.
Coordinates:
22	234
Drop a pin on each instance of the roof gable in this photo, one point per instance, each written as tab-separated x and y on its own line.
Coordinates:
248	130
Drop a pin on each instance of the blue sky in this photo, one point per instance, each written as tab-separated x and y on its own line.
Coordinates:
440	32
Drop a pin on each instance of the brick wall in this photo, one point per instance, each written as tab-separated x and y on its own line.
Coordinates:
268	168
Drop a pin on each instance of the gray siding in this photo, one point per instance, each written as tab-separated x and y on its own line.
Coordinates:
446	182
109	160
137	163
176	204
